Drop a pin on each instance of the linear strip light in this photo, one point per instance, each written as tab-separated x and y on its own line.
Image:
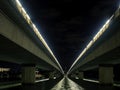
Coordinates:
35	29
95	38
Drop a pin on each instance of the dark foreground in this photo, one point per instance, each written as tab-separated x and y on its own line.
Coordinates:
64	84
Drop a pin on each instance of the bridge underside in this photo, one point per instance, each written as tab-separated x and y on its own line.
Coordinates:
111	57
11	52
106	50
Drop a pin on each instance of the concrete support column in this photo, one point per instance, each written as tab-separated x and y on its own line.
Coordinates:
81	75
106	74
51	75
28	74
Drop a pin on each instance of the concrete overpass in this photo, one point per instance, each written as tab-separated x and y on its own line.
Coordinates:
21	42
102	52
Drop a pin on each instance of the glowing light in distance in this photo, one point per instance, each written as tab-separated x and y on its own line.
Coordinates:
4	69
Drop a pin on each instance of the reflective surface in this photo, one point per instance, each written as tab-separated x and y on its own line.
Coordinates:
67	84
64	84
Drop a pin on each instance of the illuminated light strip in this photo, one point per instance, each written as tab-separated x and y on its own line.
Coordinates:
36	31
4	69
42	80
117	85
19	4
96	37
95	81
9	86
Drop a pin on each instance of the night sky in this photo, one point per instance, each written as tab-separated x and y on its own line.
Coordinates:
68	25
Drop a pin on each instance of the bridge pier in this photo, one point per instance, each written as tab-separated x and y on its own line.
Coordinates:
81	75
106	74
52	75
28	74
